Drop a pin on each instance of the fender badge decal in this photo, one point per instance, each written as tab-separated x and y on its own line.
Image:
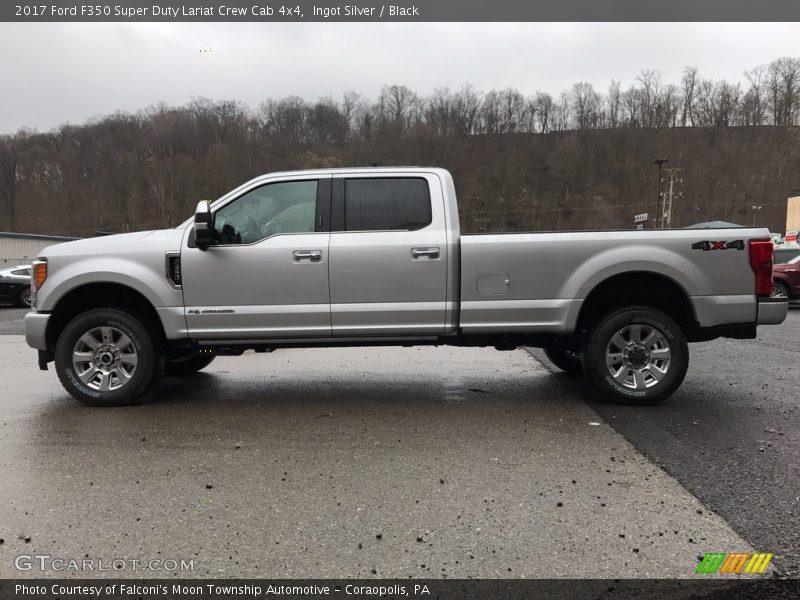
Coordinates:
723	245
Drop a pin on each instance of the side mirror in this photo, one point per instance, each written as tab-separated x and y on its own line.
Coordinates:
203	225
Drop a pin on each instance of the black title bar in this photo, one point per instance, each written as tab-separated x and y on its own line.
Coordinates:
737	588
411	11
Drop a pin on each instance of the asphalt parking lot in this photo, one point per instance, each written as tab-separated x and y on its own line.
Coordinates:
416	462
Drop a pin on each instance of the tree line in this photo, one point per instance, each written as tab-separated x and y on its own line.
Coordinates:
578	160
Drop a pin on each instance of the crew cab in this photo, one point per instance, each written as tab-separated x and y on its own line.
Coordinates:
375	256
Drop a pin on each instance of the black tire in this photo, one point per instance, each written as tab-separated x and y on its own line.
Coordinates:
568	360
143	338
24	298
651	389
780	289
187	366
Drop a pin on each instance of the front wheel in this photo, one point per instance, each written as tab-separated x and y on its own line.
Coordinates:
636	355
107	357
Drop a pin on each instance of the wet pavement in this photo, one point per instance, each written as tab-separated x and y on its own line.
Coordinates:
12	320
387	462
731	434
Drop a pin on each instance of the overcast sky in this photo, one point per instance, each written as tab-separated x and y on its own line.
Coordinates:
56	73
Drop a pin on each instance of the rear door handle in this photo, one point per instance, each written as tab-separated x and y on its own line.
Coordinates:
430	253
307	255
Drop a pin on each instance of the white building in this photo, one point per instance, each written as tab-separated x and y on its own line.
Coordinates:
22	248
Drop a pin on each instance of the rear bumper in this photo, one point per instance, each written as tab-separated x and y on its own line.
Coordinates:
772	311
35	330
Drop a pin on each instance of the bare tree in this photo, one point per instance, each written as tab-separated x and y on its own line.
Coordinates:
490	114
586	104
754	105
543	106
614	102
464	110
10	178
437	113
689	88
650	89
397	107
783	82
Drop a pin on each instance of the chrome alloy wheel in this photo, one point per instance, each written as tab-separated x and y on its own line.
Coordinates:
638	356
104	358
27	296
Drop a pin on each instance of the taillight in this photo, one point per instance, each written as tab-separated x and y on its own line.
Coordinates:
39	273
761	263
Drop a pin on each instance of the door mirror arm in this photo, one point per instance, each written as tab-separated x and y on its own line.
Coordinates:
203	225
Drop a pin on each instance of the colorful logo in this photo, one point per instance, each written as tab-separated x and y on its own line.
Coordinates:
734	563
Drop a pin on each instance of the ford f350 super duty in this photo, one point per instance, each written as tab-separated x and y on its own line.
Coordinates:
342	257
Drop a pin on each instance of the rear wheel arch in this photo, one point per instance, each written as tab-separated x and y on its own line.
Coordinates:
640	288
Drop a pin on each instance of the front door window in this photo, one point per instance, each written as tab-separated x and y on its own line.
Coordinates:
272	209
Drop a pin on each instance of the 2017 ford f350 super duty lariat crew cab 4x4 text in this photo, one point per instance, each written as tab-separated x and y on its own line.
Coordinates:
374	257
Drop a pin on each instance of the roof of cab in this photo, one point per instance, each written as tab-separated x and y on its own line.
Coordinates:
358	170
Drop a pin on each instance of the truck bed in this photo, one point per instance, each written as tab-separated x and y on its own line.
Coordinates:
538	281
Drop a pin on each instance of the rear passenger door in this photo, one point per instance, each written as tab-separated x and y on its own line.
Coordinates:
388	255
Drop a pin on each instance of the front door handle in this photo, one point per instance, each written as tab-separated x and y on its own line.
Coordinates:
429	253
307	255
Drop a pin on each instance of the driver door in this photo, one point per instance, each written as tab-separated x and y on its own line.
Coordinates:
265	275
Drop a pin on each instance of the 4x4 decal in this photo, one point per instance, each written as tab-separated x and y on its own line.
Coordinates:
723	245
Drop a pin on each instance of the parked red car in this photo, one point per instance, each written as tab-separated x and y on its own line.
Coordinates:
786	279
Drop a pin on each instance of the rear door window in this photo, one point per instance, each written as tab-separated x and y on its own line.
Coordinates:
387	204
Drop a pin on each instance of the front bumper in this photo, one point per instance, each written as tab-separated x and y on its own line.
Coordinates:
772	311
35	330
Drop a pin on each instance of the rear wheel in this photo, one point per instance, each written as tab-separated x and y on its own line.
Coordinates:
636	355
187	366
107	357
566	359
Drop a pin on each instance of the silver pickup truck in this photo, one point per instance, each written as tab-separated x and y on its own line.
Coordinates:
340	257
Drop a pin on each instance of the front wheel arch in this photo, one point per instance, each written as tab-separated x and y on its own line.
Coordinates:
100	295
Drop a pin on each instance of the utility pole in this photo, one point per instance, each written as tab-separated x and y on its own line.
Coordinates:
755	212
673	173
660	162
